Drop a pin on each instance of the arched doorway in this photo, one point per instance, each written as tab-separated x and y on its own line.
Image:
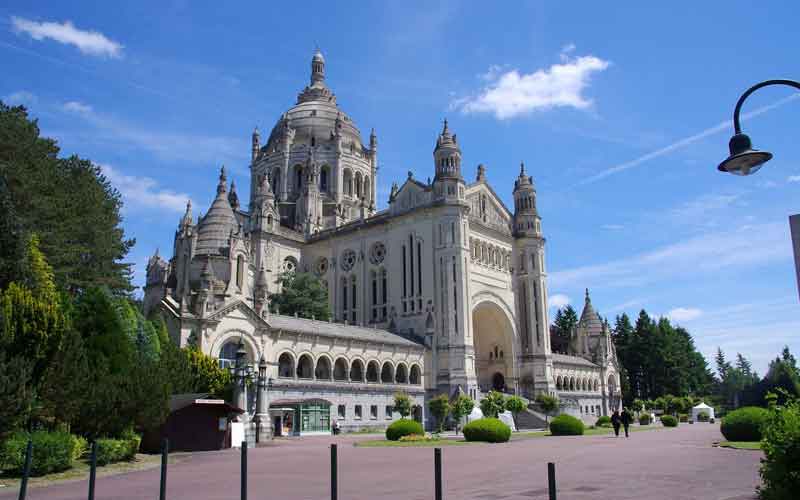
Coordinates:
498	382
493	338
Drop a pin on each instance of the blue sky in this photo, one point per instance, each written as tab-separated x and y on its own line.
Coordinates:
620	111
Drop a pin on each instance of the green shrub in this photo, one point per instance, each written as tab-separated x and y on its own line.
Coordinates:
702	417
489	430
669	421
780	467
744	424
403	427
644	419
110	451
604	421
52	452
566	425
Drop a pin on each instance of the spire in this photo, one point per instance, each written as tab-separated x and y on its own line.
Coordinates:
481	177
588	300
256	144
223	179
233	198
186	221
373	140
317	68
521	169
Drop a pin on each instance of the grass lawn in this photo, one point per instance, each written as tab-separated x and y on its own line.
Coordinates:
740	445
80	471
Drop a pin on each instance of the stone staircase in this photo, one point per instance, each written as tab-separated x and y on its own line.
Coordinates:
531	419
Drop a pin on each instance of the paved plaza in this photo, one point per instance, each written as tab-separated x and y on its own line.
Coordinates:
670	464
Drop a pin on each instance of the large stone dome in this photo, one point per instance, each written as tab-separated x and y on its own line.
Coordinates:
316	114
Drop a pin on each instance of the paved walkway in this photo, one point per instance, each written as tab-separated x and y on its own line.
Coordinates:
661	464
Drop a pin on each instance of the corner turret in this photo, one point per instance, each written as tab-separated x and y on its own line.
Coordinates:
448	184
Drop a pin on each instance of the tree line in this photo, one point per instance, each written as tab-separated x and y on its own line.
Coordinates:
76	353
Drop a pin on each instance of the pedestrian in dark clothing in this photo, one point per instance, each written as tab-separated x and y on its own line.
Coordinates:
626	419
615	422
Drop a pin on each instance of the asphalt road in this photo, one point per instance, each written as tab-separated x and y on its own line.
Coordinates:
664	464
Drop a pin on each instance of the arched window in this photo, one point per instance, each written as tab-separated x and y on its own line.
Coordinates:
239	271
340	371
305	367
387	373
357	371
298	178
415	377
275	182
401	376
372	371
286	366
227	355
359	186
367	188
323	179
596	385
558	383
572	383
347	178
323	370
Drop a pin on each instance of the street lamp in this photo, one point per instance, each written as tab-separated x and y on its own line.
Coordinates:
743	159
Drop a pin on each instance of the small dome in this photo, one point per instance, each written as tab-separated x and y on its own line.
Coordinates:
318	57
215	228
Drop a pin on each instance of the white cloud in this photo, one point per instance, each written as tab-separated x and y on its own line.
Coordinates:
557	300
21	97
143	192
568	48
680	314
700	208
682	143
793	178
512	93
88	42
77	107
748	245
612	227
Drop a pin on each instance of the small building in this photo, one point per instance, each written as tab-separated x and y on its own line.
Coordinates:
702	408
195	423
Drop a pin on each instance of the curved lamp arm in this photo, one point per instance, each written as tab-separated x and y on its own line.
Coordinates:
737	128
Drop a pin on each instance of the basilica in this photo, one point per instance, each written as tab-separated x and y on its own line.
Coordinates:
444	291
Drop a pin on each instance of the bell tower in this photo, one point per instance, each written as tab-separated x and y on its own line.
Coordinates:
448	185
531	288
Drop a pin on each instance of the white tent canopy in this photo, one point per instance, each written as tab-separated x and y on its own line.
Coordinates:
702	408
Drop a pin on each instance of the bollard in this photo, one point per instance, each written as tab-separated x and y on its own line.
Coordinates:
437	473
551	479
23	487
162	494
244	470
92	469
334	473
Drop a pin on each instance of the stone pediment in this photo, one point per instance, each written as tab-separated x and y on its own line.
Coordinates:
240	306
411	194
487	208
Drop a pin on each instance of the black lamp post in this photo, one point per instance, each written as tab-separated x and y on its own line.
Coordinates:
744	160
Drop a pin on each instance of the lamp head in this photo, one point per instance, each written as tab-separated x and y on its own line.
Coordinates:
743	160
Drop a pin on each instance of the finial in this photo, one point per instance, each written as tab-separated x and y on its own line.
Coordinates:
255	131
445	130
188	206
587	295
521	168
221	187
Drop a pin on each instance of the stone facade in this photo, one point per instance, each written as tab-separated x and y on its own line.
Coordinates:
447	282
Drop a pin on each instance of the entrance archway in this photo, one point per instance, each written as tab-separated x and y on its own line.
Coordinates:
493	339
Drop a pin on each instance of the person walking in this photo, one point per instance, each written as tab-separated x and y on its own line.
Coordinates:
626	419
615	422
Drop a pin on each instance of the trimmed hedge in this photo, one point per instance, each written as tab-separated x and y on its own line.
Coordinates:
604	421
644	419
566	425
403	427
52	452
489	430
669	421
744	424
110	451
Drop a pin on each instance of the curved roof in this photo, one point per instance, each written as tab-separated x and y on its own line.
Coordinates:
213	232
315	114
